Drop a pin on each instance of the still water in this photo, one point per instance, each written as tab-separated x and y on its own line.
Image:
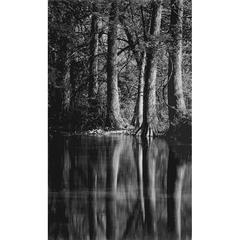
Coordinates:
118	187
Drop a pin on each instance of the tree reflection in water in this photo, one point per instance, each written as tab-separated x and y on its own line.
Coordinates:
118	187
92	159
112	158
149	170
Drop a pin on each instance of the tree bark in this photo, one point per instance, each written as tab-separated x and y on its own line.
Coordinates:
140	57
67	87
176	102
150	119
113	119
93	61
58	91
138	111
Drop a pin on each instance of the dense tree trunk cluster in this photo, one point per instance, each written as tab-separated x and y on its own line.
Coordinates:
176	101
114	119
118	49
150	119
138	111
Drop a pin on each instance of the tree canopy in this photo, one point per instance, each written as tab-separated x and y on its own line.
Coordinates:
78	54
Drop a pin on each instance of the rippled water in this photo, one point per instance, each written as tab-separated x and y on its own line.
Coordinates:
118	187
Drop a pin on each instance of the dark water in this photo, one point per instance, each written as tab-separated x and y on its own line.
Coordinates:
118	187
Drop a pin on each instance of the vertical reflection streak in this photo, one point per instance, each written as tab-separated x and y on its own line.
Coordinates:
92	190
112	157
175	178
92	195
149	164
140	176
66	190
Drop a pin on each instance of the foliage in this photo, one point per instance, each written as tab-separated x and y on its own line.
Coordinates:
69	31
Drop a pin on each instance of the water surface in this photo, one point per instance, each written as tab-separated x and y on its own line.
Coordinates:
118	187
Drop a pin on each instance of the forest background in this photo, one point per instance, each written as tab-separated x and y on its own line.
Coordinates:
120	65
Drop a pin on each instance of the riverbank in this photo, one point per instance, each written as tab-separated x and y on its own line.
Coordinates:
94	132
179	132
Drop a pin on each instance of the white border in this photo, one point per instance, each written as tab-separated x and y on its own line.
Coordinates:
216	119
23	121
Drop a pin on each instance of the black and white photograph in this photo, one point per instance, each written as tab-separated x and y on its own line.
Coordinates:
119	119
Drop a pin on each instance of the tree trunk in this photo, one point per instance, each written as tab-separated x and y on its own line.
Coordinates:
176	103
113	119
93	61
150	119
58	102
72	120
138	111
140	57
67	88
